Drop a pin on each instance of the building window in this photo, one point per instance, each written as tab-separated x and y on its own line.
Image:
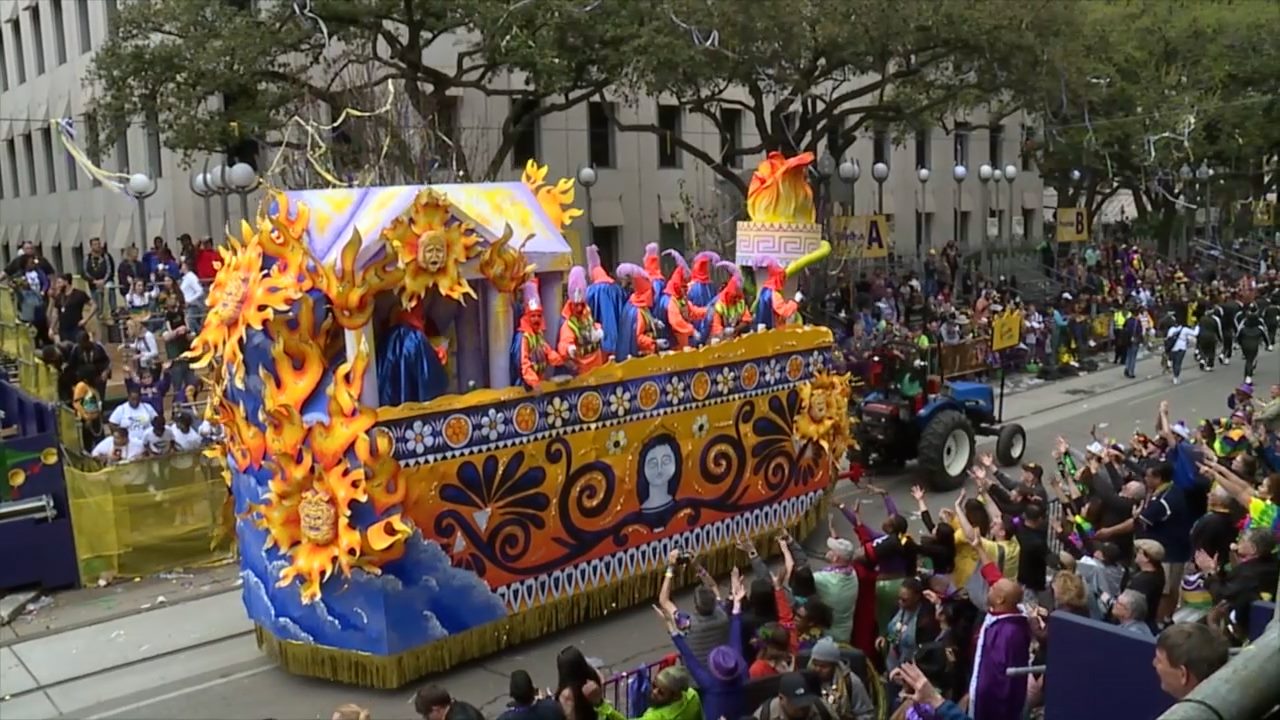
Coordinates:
670	237
995	140
46	153
19	53
82	25
669	119
93	143
924	231
608	240
923	150
962	235
122	152
731	137
1028	224
525	124
29	155
600	134
3	182
73	172
37	38
962	144
59	32
4	67
1025	151
880	147
789	124
11	165
155	158
113	16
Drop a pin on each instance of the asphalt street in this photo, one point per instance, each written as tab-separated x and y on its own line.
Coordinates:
226	678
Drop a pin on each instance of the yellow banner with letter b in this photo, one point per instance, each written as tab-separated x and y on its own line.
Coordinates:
1006	330
1073	224
856	237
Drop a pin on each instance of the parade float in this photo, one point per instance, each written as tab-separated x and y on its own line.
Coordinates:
382	540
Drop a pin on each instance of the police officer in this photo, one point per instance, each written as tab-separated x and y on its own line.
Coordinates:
1231	311
1251	334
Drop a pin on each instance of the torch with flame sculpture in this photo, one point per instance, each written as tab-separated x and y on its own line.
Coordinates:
780	199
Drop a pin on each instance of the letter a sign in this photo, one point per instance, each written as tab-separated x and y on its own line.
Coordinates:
877	241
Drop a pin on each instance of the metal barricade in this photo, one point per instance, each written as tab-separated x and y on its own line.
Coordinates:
616	687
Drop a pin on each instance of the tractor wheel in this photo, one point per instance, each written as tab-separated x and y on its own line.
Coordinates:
946	450
1010	445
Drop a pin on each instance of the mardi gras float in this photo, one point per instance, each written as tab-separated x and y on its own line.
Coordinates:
442	439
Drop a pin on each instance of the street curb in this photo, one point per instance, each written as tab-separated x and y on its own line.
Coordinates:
112	617
12	605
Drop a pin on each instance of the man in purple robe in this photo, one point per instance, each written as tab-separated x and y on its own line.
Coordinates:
1003	642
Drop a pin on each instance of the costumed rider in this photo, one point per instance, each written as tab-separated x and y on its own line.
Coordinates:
580	334
729	313
410	366
683	317
605	299
771	308
639	332
1251	335
534	356
702	291
653	268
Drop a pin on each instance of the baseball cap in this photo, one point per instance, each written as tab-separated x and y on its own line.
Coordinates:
840	546
1181	430
793	688
1095	448
1035	469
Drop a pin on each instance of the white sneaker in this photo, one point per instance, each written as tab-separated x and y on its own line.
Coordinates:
1226	361
1248	379
1175	381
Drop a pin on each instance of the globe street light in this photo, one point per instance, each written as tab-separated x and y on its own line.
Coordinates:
587	178
958	173
880	173
1186	174
141	186
1203	173
201	186
985	174
922	174
244	180
849	172
1010	174
219	182
1075	176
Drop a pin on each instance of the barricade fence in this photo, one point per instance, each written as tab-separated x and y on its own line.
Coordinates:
150	515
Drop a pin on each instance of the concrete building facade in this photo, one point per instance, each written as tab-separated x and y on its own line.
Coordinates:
643	193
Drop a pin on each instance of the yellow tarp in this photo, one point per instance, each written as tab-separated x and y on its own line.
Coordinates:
149	516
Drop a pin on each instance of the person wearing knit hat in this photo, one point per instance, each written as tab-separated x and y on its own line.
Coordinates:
729	313
682	316
639	332
605	299
580	334
534	357
771	309
843	690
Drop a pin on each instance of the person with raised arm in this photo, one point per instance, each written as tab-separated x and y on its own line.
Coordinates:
579	342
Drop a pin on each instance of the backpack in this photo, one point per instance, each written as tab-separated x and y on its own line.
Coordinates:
1171	340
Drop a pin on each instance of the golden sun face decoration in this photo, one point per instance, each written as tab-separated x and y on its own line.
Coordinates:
824	413
555	200
431	250
242	297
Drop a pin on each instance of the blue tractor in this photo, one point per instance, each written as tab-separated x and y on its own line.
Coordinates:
909	415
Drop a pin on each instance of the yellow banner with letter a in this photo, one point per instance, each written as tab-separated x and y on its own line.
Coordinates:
1073	224
857	237
1006	330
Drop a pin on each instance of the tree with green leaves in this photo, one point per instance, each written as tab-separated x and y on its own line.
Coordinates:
227	77
812	75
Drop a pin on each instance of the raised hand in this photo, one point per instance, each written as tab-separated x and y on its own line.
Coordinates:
917	492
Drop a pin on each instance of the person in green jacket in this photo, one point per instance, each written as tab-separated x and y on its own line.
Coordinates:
671	698
837	584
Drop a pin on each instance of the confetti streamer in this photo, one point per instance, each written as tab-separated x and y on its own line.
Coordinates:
316	147
65	130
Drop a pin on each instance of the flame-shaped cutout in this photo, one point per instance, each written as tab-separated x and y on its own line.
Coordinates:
299	362
385	533
780	192
382	482
556	200
352	290
504	266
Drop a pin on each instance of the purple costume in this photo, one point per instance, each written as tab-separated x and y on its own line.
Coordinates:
1003	642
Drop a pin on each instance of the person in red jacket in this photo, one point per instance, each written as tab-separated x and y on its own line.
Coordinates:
537	357
207	260
683	317
580	334
729	313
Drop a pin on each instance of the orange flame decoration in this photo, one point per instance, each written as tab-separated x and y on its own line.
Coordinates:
556	200
779	191
504	266
431	250
318	471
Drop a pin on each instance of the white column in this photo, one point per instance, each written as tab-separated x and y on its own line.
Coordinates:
501	327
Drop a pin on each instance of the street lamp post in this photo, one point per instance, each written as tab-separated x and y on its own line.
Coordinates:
219	183
826	171
985	173
244	180
849	172
587	178
1010	174
1186	175
922	174
140	187
1203	173
199	184
880	173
